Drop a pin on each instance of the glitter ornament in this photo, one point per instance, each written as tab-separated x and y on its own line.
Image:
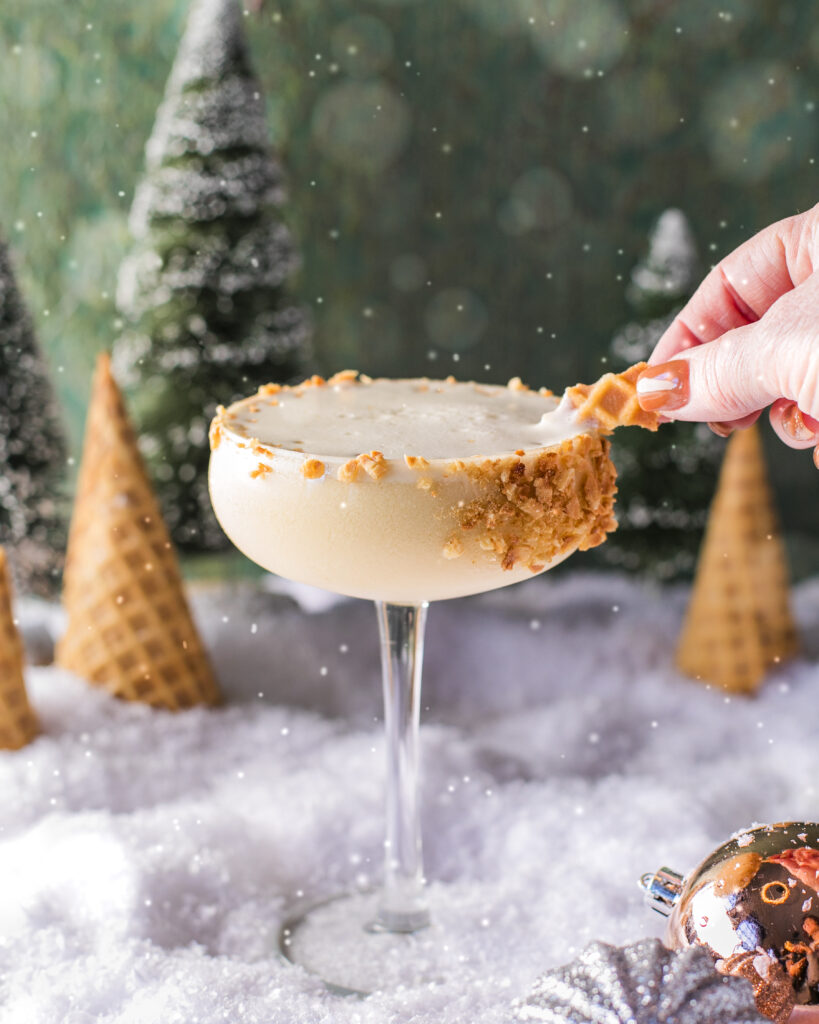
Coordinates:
754	905
643	983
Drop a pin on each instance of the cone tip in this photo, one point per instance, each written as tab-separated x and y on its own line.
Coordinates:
104	382
104	362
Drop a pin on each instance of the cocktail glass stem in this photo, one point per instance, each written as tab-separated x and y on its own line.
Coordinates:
403	906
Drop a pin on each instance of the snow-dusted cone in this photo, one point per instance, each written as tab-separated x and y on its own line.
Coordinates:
18	724
612	401
739	621
129	626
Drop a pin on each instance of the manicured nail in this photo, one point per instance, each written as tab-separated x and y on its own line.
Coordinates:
663	387
722	429
793	423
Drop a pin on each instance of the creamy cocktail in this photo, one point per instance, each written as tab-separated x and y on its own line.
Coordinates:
402	491
409	490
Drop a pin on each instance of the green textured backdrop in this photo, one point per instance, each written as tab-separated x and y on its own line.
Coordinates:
471	180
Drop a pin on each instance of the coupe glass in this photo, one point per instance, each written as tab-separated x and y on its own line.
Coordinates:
388	538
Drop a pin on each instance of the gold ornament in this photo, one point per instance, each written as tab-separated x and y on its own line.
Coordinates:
754	905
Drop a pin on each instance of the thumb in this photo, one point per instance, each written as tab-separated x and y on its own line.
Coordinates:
719	381
745	369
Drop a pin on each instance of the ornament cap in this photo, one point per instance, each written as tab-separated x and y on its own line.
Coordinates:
662	889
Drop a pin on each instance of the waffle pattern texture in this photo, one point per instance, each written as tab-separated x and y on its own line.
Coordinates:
612	401
739	621
18	723
129	626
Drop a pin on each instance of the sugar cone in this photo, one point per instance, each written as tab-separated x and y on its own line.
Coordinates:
18	724
739	622
129	626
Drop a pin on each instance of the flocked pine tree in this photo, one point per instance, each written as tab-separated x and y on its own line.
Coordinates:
665	480
202	293
32	449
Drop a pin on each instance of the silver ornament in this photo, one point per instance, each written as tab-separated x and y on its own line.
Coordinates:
643	983
754	905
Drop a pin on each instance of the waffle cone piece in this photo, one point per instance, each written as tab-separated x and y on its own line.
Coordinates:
18	723
612	401
129	626
739	621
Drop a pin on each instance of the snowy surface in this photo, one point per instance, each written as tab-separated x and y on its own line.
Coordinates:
149	858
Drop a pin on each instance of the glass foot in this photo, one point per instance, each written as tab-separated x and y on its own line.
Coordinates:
342	942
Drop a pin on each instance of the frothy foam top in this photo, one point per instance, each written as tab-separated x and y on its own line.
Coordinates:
433	419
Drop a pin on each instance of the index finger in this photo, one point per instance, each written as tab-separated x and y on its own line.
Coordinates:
745	284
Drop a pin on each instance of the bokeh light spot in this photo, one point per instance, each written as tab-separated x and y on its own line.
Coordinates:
641	109
455	318
755	122
362	45
540	199
39	69
361	125
574	37
408	272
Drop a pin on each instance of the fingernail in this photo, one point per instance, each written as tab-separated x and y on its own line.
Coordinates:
722	429
794	424
816	456
664	386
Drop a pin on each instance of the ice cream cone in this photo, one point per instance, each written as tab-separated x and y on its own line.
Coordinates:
18	723
129	626
612	401
739	622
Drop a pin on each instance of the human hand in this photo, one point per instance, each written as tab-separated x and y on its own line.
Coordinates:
804	1015
748	338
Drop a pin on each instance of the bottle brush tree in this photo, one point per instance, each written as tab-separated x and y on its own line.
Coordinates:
202	292
665	480
32	448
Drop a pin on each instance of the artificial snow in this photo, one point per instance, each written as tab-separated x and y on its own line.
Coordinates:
149	858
